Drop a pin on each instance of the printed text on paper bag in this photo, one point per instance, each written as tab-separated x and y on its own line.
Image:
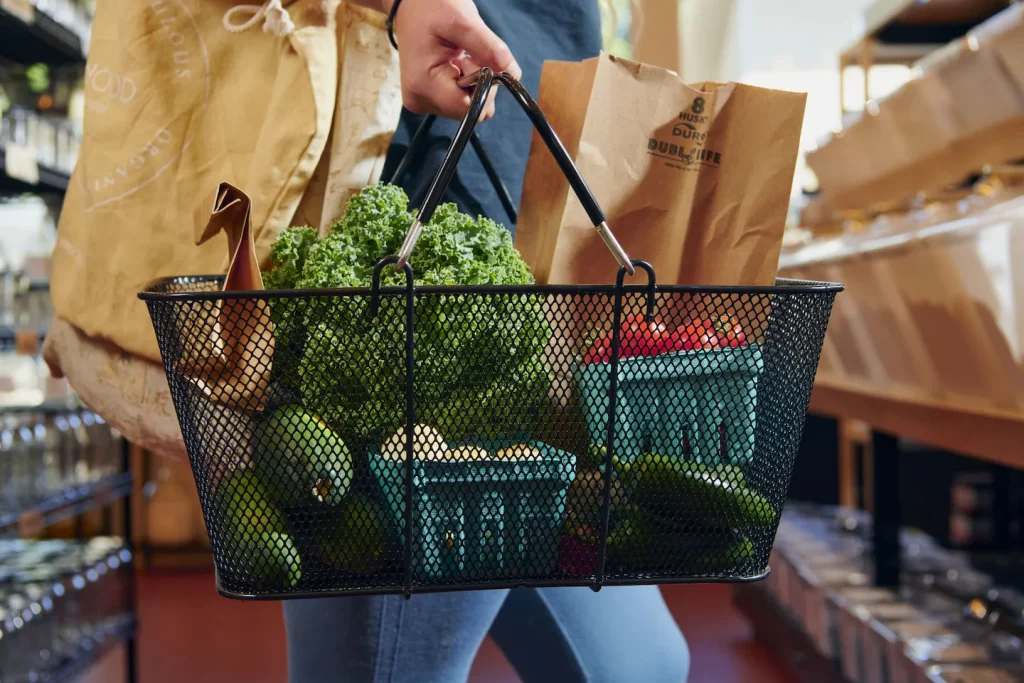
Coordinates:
685	150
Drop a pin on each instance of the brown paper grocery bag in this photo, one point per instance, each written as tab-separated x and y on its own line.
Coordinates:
982	253
982	95
946	318
1005	34
695	180
839	163
923	112
880	142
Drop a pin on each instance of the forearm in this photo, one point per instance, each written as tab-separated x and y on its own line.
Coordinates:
383	6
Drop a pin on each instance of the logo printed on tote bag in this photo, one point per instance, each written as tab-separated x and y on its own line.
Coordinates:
158	104
687	142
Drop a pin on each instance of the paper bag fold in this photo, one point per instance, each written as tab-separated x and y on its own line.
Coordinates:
230	359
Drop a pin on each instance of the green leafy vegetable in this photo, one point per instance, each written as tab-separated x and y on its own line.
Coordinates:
479	371
289	254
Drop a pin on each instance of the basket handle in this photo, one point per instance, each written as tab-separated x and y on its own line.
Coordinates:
483	80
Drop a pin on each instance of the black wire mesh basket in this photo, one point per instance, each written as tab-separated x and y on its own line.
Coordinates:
404	439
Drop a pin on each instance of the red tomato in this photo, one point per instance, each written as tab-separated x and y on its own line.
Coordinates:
730	332
641	338
599	352
735	338
708	340
680	340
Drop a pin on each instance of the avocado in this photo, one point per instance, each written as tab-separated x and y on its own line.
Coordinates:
304	458
256	538
690	492
358	538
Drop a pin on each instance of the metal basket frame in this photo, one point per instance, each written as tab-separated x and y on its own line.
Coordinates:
167	293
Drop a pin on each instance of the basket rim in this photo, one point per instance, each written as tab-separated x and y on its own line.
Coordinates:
443	587
781	286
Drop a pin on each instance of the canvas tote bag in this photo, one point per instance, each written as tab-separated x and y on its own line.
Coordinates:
182	95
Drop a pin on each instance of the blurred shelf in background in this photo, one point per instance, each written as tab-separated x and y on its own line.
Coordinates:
29	176
904	22
31	35
71	502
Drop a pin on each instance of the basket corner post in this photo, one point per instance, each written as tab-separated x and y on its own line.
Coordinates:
410	409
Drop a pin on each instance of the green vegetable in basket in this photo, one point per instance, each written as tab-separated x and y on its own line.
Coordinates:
304	458
288	254
479	368
256	538
687	491
723	556
638	542
358	538
596	456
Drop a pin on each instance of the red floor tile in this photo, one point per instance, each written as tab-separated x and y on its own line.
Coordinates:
189	633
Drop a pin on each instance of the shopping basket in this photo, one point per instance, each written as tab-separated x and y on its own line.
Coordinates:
636	432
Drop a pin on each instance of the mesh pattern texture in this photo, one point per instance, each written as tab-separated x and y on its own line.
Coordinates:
593	435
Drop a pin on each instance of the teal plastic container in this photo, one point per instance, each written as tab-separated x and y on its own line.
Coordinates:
697	404
474	519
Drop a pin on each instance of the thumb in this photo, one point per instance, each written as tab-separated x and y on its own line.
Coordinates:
487	49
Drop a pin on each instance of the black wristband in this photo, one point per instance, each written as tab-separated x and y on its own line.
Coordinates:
390	23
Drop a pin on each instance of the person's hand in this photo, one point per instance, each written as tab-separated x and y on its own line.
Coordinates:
439	41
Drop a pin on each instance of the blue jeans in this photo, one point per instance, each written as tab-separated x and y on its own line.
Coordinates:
556	635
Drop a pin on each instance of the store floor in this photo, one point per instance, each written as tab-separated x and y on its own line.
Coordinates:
189	633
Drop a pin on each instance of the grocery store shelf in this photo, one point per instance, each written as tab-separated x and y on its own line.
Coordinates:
49	180
37	403
40	40
999	144
93	650
936	21
984	434
70	503
885	53
780	634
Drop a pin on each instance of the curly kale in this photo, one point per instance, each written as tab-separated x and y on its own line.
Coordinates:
288	255
479	367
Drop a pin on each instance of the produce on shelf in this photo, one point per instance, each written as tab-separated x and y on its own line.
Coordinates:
479	370
305	459
257	542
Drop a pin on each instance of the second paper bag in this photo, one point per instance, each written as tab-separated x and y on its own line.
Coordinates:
696	180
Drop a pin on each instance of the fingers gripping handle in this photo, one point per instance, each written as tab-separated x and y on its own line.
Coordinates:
483	80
